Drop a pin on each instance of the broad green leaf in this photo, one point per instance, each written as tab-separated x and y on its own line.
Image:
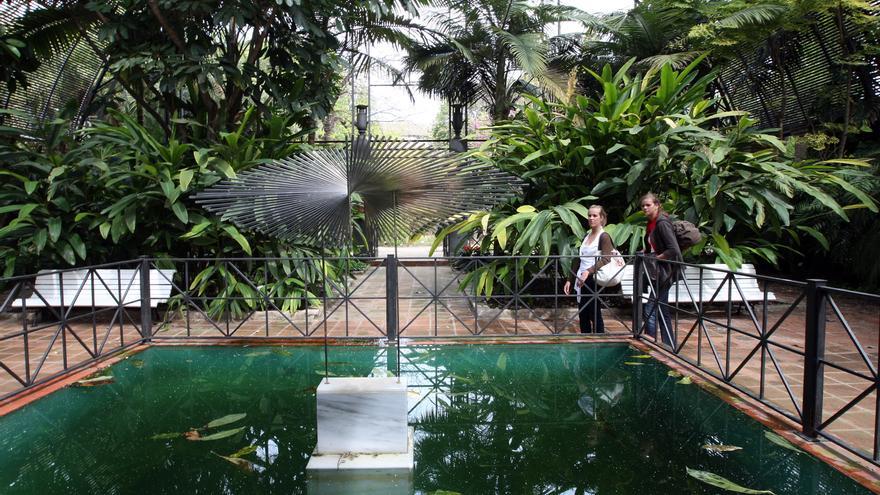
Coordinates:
196	230
216	436
714	447
723	483
40	237
501	235
502	361
819	236
93	382
233	232
104	229
131	219
242	464
54	225
77	244
181	212
68	254
225	420
533	155
30	186
185	177
166	436
778	440
525	209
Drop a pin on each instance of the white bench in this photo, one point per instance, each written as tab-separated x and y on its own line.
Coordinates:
110	287
712	281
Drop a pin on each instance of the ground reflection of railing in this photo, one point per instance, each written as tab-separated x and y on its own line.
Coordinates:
811	354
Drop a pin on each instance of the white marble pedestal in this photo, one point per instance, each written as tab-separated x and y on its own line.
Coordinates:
364	442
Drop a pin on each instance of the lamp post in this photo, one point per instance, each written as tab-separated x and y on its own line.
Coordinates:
456	143
361	119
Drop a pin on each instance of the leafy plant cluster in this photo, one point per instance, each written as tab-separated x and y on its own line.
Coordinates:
654	131
118	191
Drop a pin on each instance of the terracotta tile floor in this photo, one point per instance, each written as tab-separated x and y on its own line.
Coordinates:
364	314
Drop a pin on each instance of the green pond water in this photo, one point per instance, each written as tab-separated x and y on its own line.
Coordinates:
488	419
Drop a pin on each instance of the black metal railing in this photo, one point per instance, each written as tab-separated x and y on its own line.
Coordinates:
766	336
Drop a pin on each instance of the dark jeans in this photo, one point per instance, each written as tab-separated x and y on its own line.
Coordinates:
591	308
660	304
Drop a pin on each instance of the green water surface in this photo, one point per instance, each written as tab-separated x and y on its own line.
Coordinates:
530	419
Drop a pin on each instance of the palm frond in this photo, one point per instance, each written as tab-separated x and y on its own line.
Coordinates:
528	49
676	60
51	31
752	16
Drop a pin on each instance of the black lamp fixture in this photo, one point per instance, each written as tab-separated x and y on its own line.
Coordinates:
361	119
456	143
457	119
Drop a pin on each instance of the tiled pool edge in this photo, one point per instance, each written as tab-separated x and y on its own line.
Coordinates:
36	393
842	460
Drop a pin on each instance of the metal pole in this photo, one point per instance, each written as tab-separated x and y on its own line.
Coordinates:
814	353
391	297
146	316
638	271
324	290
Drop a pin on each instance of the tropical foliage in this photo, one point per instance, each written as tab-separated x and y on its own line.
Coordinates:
208	61
654	132
120	192
489	52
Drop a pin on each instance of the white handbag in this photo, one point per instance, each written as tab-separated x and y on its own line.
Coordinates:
611	273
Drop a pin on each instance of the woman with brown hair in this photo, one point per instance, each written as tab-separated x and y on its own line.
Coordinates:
596	242
660	244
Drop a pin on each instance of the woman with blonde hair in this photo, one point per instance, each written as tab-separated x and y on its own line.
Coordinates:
597	242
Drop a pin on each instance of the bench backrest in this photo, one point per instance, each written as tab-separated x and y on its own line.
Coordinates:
712	283
100	288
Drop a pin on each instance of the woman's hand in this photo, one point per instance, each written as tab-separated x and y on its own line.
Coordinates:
567	287
582	281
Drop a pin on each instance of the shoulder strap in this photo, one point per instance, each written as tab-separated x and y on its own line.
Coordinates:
610	239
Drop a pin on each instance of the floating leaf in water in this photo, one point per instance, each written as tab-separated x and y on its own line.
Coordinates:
329	373
250	449
723	483
94	382
166	436
243	464
778	440
719	447
137	363
502	361
225	420
216	436
641	356
282	352
633	363
257	353
684	381
673	374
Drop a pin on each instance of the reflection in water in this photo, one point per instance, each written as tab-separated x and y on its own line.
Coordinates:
488	419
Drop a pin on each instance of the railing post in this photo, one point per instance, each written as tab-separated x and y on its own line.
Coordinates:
391	296
814	353
638	271
146	311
